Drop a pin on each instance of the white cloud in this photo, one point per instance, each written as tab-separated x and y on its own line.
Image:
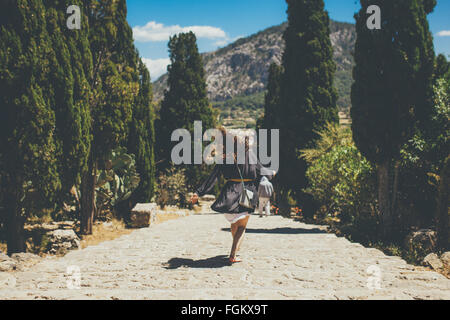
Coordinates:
157	67
444	33
155	32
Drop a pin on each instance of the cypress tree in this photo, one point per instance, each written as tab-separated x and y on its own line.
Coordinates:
27	124
392	88
272	99
442	206
115	85
308	99
442	67
142	138
186	99
69	91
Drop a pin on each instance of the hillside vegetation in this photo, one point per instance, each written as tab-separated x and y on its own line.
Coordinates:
237	74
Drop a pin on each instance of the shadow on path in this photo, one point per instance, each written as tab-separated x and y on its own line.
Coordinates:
282	231
210	263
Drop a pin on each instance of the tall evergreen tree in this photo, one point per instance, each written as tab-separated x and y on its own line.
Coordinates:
27	124
308	99
442	217
69	91
115	85
272	99
186	100
442	67
392	88
141	139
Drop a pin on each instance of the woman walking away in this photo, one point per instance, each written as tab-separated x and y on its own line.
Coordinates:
238	176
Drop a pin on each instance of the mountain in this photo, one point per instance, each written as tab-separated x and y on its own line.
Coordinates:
237	74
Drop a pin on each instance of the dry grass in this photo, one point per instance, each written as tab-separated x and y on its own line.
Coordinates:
446	273
102	232
197	209
3	247
160	218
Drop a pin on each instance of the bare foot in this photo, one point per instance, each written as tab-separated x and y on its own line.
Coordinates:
234	260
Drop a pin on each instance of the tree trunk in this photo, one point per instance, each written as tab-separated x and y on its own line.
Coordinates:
443	208
384	199
14	220
396	219
88	198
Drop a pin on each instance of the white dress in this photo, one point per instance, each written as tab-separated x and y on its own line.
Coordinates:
235	217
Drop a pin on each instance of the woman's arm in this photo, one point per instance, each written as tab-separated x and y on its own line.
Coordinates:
208	185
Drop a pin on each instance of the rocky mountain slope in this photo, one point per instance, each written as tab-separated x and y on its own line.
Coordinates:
241	68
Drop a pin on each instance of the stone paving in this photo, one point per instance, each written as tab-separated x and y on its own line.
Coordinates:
187	259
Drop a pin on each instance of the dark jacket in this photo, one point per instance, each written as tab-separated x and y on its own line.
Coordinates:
228	200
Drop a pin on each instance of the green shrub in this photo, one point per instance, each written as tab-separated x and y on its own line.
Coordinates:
172	188
421	163
340	178
117	181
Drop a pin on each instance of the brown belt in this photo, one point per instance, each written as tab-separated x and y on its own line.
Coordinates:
239	180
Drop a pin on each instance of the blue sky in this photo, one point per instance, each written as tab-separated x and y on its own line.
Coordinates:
217	23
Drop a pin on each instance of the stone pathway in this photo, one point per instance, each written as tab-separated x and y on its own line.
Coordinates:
187	259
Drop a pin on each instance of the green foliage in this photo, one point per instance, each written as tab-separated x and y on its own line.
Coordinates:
430	143
117	181
340	178
443	212
121	104
69	91
308	97
113	111
263	42
422	159
438	132
241	111
27	125
272	98
115	75
343	82
392	92
68	98
44	245
186	100
331	136
249	102
141	140
442	69
393	84
172	188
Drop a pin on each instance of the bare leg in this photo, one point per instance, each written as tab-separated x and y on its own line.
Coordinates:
240	230
234	228
240	242
236	239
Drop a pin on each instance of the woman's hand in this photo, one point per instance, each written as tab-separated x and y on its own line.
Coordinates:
194	198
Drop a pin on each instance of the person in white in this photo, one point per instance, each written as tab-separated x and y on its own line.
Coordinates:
265	191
